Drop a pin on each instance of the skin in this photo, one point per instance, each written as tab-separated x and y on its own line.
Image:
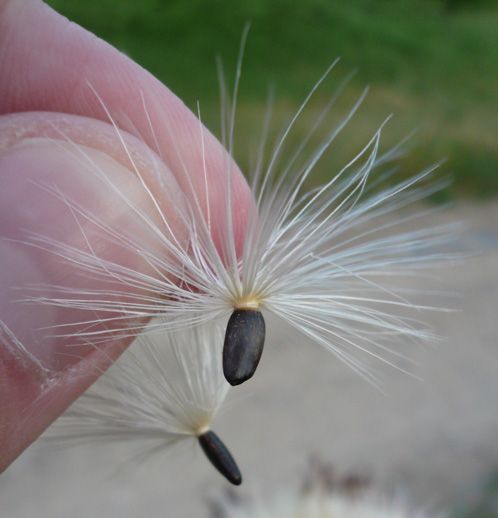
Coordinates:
47	64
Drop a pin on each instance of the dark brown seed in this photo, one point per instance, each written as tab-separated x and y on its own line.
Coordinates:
220	457
244	341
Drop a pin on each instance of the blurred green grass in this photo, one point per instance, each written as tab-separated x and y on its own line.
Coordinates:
433	64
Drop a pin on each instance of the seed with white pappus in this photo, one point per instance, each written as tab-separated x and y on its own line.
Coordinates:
244	341
220	457
164	390
327	262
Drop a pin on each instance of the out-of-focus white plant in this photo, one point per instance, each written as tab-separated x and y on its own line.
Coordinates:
160	392
333	505
350	497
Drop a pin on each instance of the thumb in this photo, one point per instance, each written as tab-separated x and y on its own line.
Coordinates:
48	190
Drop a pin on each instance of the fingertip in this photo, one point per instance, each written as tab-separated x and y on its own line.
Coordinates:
60	67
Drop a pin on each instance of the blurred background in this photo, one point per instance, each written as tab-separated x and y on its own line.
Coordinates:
434	65
431	63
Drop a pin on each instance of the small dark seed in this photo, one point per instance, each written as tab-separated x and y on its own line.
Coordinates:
220	457
244	341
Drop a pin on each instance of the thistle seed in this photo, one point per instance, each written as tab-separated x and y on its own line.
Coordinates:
220	457
244	341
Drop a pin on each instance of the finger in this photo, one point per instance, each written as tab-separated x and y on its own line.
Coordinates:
50	63
42	373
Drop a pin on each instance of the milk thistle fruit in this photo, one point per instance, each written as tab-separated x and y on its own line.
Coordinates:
321	261
159	393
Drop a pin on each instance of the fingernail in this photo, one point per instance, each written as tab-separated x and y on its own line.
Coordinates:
43	182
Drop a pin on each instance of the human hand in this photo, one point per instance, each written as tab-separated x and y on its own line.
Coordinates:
46	66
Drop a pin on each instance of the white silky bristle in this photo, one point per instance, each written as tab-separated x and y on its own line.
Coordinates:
162	390
326	262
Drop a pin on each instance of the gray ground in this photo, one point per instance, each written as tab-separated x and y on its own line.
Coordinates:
431	438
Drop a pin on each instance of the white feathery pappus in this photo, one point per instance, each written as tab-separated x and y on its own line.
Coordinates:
306	256
162	391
